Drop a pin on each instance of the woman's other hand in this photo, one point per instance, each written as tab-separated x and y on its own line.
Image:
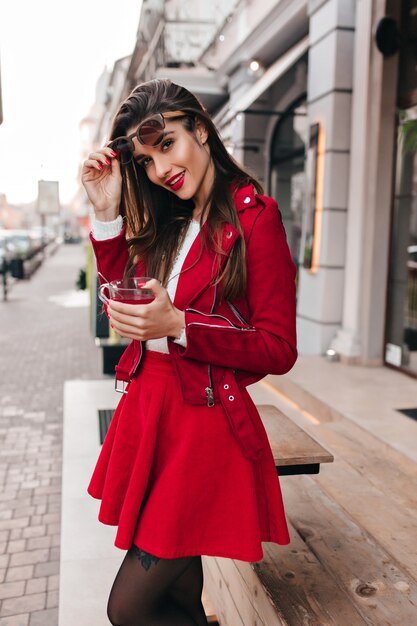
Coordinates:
159	318
102	180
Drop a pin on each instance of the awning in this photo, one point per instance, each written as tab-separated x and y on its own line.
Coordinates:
275	71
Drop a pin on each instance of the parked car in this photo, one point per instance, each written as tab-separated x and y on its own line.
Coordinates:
42	235
22	242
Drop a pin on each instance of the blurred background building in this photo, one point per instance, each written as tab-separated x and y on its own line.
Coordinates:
319	99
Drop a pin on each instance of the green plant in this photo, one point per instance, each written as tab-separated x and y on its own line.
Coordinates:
82	279
407	131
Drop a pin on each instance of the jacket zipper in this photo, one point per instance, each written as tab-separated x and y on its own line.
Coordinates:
135	369
244	330
237	313
209	389
220	317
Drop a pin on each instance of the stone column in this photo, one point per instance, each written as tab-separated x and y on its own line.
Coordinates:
320	292
361	338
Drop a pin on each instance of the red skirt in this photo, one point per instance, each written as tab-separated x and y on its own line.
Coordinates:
174	480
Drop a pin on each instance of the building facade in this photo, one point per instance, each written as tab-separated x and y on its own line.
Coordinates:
315	97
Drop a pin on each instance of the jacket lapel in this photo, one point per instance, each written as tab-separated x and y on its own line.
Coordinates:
197	273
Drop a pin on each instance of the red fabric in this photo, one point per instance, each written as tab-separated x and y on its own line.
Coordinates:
222	349
174	480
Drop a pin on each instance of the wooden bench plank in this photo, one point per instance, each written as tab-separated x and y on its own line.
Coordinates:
331	573
377	584
233	605
288	588
352	483
390	471
290	444
394	527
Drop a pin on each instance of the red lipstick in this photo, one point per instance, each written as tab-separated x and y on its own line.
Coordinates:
176	182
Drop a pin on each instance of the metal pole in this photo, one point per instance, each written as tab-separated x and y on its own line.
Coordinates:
4	280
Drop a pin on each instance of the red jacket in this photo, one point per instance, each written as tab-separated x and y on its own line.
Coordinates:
229	345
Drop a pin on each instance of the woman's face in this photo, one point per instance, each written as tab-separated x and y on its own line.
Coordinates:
180	163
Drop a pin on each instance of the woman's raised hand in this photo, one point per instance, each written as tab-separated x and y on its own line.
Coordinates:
102	180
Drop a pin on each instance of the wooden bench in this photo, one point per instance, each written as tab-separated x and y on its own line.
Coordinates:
351	560
295	452
264	593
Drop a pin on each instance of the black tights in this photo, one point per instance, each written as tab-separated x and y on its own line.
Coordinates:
149	591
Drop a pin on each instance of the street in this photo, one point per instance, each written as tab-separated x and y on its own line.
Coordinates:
45	340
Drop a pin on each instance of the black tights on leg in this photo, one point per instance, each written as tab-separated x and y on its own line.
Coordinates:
187	589
149	591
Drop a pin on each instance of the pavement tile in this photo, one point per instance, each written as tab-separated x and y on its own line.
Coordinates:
52	599
24	511
36	585
51	518
54	553
15	620
23	604
41	509
10	590
19	522
39	542
34	531
44	618
53	529
4	560
27	558
53	582
47	569
16	546
20	573
39	499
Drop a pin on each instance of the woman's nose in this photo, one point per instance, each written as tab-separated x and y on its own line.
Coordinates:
162	168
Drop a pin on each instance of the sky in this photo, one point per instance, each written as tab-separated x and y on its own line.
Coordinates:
51	54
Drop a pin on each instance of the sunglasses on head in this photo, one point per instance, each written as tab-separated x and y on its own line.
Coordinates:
150	132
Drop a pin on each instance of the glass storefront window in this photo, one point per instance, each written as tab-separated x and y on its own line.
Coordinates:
287	172
401	338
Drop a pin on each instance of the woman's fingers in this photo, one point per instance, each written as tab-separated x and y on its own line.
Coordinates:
121	310
93	163
126	330
100	159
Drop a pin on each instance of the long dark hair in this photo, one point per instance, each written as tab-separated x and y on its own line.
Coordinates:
156	218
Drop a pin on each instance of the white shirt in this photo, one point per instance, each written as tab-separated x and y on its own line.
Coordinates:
108	230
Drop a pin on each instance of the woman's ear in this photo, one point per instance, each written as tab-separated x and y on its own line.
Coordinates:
201	132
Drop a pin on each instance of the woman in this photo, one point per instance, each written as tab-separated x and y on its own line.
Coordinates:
186	468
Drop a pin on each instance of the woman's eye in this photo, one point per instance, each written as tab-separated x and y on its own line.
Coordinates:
167	144
145	162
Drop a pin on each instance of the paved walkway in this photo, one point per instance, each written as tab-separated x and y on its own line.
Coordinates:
44	340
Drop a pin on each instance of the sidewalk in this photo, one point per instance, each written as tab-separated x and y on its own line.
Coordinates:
44	340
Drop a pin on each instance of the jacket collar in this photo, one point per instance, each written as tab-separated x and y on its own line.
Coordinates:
198	272
196	279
